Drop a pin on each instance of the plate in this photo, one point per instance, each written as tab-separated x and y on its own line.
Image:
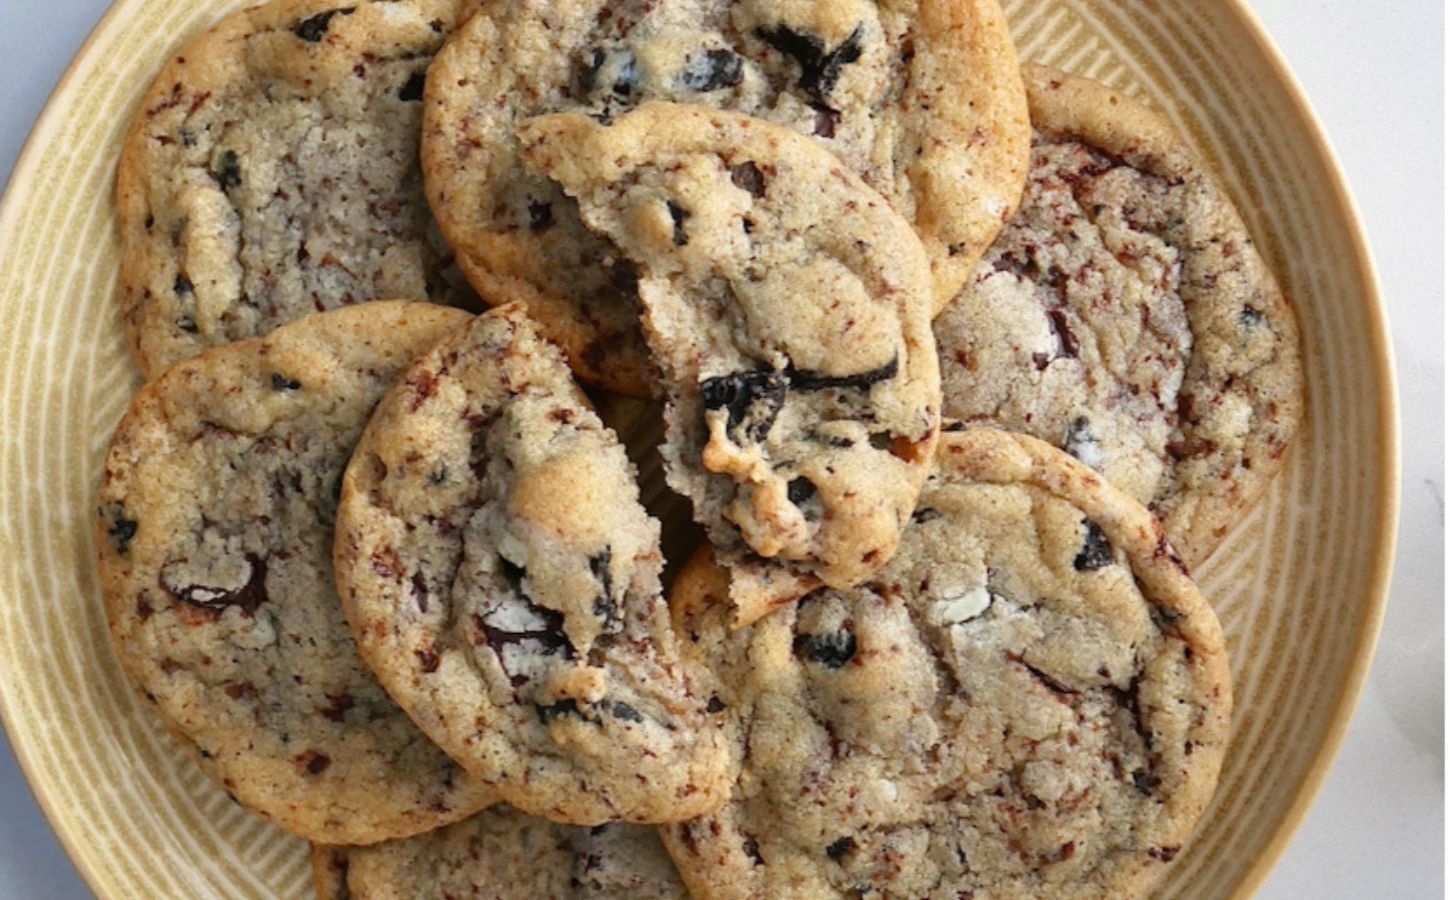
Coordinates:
1300	585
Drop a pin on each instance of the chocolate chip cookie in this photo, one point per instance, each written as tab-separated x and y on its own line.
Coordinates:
272	172
503	854
1032	700
1125	315
502	578
921	98
789	309
215	534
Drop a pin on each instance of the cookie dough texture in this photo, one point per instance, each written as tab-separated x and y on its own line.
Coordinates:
503	854
1031	701
215	535
789	309
502	578
1126	316
272	172
921	98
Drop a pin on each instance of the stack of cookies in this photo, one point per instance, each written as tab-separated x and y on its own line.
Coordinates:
954	370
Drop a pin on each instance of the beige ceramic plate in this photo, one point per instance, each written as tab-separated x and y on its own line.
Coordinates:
1300	586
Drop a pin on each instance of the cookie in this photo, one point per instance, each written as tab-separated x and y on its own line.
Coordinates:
1032	700
789	309
272	172
922	98
503	854
215	534
640	427
502	578
1125	315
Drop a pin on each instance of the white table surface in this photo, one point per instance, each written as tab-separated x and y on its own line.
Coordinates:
1377	79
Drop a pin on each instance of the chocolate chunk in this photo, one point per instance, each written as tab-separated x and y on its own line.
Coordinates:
752	399
830	650
1164	854
1144	782
313	28
549	713
1082	443
604	605
551	636
799	490
752	849
679	215
541	215
283	383
316	763
1250	317
819	69
247	597
241	690
715	705
513	574
122	529
1096	551
412	89
840	847
614	70
712	70
420	591
427	659
806	380
748	177
1066	341
182	285
626	712
227	172
826	122
337	706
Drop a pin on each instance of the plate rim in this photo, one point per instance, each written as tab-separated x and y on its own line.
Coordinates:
1386	526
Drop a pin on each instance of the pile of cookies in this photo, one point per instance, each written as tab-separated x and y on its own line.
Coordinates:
962	368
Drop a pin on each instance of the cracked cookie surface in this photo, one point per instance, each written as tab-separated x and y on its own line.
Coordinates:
1031	700
272	172
1125	316
921	98
502	578
789	309
503	854
215	535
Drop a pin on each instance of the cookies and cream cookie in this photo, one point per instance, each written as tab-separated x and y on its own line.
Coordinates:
215	527
1125	315
921	98
789	310
1032	700
272	172
503	854
503	580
